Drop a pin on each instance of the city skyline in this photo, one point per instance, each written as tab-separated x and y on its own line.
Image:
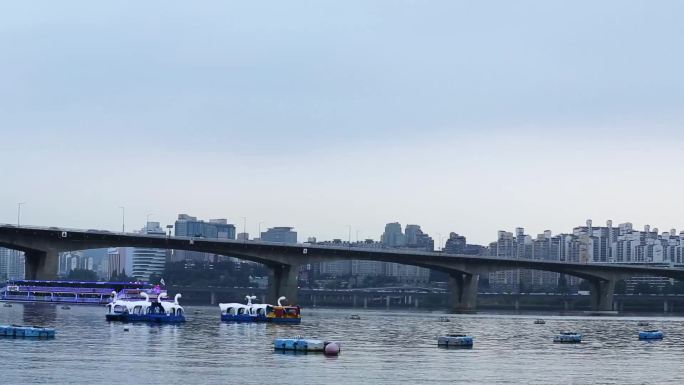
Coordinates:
320	116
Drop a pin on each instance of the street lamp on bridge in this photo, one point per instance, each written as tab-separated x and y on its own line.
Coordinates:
19	212
259	233
123	219
244	228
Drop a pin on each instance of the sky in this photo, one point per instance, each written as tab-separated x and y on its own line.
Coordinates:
460	116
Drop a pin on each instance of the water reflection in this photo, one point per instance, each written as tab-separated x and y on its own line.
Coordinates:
38	314
381	347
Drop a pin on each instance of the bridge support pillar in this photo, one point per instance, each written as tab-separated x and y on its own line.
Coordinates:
463	292
282	282
602	294
41	265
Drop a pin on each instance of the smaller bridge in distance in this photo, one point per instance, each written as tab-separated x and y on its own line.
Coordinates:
42	245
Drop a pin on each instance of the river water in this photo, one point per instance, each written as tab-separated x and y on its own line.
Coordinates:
383	347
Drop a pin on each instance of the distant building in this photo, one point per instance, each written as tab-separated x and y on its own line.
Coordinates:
416	239
393	236
280	235
455	244
117	261
147	261
243	237
73	260
588	244
11	264
189	226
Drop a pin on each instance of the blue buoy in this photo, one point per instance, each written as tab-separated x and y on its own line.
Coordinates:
651	335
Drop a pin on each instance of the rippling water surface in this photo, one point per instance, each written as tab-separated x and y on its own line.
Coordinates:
383	347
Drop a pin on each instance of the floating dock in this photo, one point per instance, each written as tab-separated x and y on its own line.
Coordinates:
455	340
303	345
26	331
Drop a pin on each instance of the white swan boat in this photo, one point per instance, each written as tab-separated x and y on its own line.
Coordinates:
145	310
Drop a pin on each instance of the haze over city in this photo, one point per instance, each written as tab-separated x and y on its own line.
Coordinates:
458	117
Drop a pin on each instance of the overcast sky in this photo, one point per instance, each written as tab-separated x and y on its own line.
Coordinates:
456	115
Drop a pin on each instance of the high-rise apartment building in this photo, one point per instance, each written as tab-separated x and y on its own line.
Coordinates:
12	264
455	244
393	235
148	261
117	262
586	244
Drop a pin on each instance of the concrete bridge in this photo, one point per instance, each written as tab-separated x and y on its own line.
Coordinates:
42	245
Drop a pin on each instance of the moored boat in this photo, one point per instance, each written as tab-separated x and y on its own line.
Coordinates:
73	292
283	313
455	340
539	321
145	310
237	312
651	335
568	338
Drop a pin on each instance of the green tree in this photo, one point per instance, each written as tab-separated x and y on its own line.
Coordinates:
584	285
121	277
562	285
155	279
82	275
677	287
483	283
644	288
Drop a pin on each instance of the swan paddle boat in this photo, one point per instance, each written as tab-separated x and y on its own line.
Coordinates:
283	314
237	312
145	310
